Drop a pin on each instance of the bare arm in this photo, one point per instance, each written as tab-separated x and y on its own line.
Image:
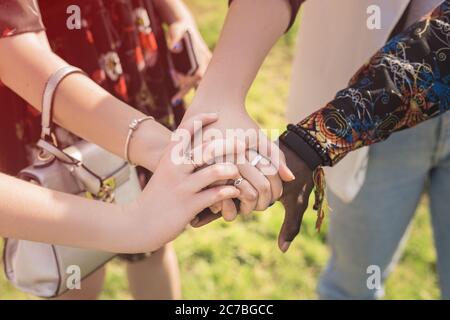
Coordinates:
250	31
81	106
34	213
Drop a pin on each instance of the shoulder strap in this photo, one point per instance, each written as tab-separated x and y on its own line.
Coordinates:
48	97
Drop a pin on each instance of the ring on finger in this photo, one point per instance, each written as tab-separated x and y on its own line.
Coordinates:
256	160
190	157
238	181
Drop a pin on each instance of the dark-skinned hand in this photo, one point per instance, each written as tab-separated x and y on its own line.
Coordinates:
294	199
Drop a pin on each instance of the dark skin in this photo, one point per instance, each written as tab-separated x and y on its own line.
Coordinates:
294	199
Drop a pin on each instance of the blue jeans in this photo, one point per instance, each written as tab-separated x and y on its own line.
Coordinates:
370	229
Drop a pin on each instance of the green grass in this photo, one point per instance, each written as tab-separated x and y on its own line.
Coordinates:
241	260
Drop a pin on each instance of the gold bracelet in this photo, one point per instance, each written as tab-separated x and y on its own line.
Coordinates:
134	125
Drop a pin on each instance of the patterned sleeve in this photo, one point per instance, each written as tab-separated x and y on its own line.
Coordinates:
19	16
405	83
295	7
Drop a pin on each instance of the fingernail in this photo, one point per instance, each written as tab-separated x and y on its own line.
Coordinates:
285	246
291	176
176	102
215	210
177	47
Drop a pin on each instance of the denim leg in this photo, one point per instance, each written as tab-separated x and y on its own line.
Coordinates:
369	230
440	207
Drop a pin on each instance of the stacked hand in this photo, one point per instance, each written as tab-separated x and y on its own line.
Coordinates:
265	178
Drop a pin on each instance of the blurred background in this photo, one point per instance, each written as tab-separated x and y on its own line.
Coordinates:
241	260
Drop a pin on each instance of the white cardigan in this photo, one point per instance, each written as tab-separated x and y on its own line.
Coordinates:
333	42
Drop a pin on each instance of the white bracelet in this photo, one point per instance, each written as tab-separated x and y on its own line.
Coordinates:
134	125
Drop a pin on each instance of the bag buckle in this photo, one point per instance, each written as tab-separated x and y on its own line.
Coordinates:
106	193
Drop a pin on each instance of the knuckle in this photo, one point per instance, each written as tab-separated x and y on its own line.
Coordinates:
221	194
265	187
251	196
217	171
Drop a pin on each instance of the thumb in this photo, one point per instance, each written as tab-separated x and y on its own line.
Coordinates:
294	211
175	35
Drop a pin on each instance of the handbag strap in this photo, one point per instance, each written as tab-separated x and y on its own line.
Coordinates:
48	98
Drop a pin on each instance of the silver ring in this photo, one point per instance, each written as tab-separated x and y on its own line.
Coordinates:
190	157
256	160
238	181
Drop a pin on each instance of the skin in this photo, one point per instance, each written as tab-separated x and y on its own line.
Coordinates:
239	54
179	19
33	213
233	68
295	198
157	276
237	58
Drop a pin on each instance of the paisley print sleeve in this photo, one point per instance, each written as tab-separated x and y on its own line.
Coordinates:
19	16
404	84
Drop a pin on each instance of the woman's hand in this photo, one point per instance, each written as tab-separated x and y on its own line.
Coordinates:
179	24
177	192
202	54
264	179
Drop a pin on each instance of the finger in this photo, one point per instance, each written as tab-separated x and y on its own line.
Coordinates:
203	218
216	208
187	80
219	150
185	88
229	211
175	35
182	139
284	172
197	122
272	152
270	172
203	178
208	197
259	183
295	207
248	197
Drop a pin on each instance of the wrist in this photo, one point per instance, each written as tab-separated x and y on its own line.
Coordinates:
206	101
148	144
305	147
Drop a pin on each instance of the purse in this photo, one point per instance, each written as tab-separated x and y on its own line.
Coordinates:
82	169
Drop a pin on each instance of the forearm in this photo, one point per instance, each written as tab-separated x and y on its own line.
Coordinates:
33	213
248	34
404	84
80	105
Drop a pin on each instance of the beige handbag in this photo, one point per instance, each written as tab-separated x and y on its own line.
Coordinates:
83	169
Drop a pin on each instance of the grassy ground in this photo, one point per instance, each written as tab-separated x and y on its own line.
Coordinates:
241	260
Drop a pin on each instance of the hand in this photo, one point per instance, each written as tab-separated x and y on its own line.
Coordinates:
202	54
268	188
295	198
176	193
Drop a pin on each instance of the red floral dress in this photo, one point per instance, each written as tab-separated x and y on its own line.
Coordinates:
119	43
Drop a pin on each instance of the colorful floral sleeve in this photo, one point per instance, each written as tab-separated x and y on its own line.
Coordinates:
19	16
404	84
